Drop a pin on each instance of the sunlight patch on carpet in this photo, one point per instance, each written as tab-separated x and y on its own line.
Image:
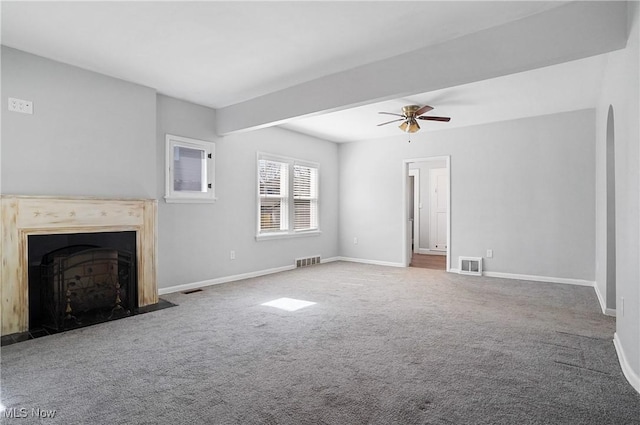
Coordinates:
288	304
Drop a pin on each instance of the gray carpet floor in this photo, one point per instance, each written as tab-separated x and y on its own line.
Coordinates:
380	346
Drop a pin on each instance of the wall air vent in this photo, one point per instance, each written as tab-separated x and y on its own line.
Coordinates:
471	265
309	261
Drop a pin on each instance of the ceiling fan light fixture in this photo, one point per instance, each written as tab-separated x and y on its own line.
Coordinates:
410	126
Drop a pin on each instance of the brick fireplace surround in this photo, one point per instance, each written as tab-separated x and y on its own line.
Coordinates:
28	215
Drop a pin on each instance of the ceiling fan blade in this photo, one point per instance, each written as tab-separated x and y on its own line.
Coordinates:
425	108
428	118
391	113
389	122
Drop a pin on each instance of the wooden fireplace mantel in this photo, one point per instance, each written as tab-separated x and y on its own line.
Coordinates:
39	215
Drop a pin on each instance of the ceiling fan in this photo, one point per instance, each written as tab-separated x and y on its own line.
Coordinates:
410	115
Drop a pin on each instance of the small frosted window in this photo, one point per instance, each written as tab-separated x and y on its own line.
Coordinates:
190	170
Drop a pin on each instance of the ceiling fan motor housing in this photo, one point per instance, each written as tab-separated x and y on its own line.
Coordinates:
410	110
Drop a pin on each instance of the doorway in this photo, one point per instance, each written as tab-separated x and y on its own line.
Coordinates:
427	212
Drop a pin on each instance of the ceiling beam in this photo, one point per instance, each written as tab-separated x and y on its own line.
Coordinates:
573	31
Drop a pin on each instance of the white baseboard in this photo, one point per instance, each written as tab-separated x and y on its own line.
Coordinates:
603	305
549	279
579	282
233	278
375	262
631	376
329	260
225	279
427	251
535	278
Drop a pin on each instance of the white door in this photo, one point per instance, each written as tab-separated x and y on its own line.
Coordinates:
438	200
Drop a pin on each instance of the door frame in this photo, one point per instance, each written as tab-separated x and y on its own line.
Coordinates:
405	213
416	209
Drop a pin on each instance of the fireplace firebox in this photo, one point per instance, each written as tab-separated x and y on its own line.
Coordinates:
79	284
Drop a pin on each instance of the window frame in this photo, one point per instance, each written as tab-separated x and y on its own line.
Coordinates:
178	196
290	231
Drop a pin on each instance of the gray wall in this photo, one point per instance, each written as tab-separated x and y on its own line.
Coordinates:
195	240
621	89
93	135
89	134
523	188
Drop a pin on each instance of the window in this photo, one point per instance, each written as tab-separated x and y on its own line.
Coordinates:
305	197
189	170
287	197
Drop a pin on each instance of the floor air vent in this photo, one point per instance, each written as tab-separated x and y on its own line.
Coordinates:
191	291
471	265
309	261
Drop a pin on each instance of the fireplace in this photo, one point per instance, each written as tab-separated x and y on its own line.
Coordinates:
27	218
80	279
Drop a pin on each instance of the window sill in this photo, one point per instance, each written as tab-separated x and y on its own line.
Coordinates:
178	200
270	236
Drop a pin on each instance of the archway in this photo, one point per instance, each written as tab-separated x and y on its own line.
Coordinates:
611	213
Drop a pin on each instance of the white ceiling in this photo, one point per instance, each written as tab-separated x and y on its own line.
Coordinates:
222	53
560	88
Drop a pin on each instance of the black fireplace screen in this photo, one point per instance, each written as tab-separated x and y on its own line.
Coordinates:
84	284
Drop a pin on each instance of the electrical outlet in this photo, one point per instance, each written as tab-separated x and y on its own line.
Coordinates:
489	253
355	240
232	255
20	105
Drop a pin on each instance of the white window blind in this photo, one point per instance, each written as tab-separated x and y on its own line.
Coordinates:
274	201
287	196
305	197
